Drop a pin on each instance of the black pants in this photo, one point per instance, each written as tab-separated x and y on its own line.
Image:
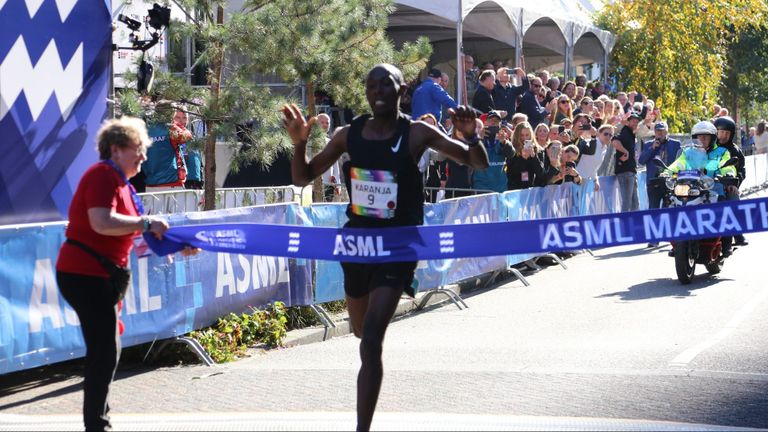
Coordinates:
655	195
328	192
738	238
95	302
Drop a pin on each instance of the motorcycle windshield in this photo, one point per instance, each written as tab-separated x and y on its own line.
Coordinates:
695	158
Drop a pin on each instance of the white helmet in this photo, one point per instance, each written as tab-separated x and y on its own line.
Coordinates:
704	128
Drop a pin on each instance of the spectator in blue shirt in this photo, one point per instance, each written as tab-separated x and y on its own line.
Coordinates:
429	97
531	107
496	140
664	148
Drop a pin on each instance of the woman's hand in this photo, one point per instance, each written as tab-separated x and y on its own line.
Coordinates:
189	251
158	227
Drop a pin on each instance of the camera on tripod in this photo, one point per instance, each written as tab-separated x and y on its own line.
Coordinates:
158	18
131	23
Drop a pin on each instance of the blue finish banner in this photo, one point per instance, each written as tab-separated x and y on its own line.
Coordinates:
54	77
169	296
473	240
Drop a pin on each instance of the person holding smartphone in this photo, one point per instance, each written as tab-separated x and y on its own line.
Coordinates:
562	167
499	149
626	165
524	169
585	134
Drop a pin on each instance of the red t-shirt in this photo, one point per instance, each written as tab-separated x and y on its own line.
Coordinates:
101	186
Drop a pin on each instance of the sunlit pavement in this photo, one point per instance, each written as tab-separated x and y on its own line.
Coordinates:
322	421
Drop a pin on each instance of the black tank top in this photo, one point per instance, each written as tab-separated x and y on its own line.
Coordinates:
377	164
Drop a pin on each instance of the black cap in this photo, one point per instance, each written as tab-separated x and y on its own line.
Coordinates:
435	73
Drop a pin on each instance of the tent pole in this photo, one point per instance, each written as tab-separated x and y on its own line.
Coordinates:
460	73
569	45
519	37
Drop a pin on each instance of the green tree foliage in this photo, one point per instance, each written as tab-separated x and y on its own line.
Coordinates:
327	44
744	89
675	51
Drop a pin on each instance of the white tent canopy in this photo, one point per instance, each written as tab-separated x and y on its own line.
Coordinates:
555	34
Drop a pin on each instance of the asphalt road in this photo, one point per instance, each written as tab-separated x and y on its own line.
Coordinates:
614	336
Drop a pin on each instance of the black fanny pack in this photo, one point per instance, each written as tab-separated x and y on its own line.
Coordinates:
119	277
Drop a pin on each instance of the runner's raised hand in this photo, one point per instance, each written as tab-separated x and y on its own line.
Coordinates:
297	127
463	119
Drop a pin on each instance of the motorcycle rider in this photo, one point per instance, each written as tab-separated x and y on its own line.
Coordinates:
726	132
706	154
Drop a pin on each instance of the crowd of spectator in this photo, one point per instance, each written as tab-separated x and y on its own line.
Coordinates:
754	140
538	129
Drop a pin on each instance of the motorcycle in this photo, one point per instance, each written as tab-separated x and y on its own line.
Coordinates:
692	187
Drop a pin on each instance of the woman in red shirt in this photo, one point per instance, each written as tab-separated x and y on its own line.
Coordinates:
104	217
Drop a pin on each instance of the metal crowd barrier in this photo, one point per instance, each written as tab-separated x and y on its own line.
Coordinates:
334	192
437	194
190	200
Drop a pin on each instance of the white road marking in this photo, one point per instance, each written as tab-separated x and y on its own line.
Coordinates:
742	315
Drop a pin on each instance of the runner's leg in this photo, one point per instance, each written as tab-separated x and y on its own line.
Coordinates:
357	308
382	304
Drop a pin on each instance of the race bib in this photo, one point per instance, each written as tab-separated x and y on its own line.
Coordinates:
374	193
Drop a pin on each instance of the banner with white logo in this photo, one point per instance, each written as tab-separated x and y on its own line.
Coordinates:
54	80
167	297
415	243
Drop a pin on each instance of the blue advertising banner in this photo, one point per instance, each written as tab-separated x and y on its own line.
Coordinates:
520	205
54	77
468	210
168	296
329	277
253	264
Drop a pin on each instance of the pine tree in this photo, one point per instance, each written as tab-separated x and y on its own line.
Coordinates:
327	44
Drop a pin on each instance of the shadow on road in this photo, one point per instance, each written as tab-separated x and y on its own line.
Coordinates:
642	250
32	385
659	287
